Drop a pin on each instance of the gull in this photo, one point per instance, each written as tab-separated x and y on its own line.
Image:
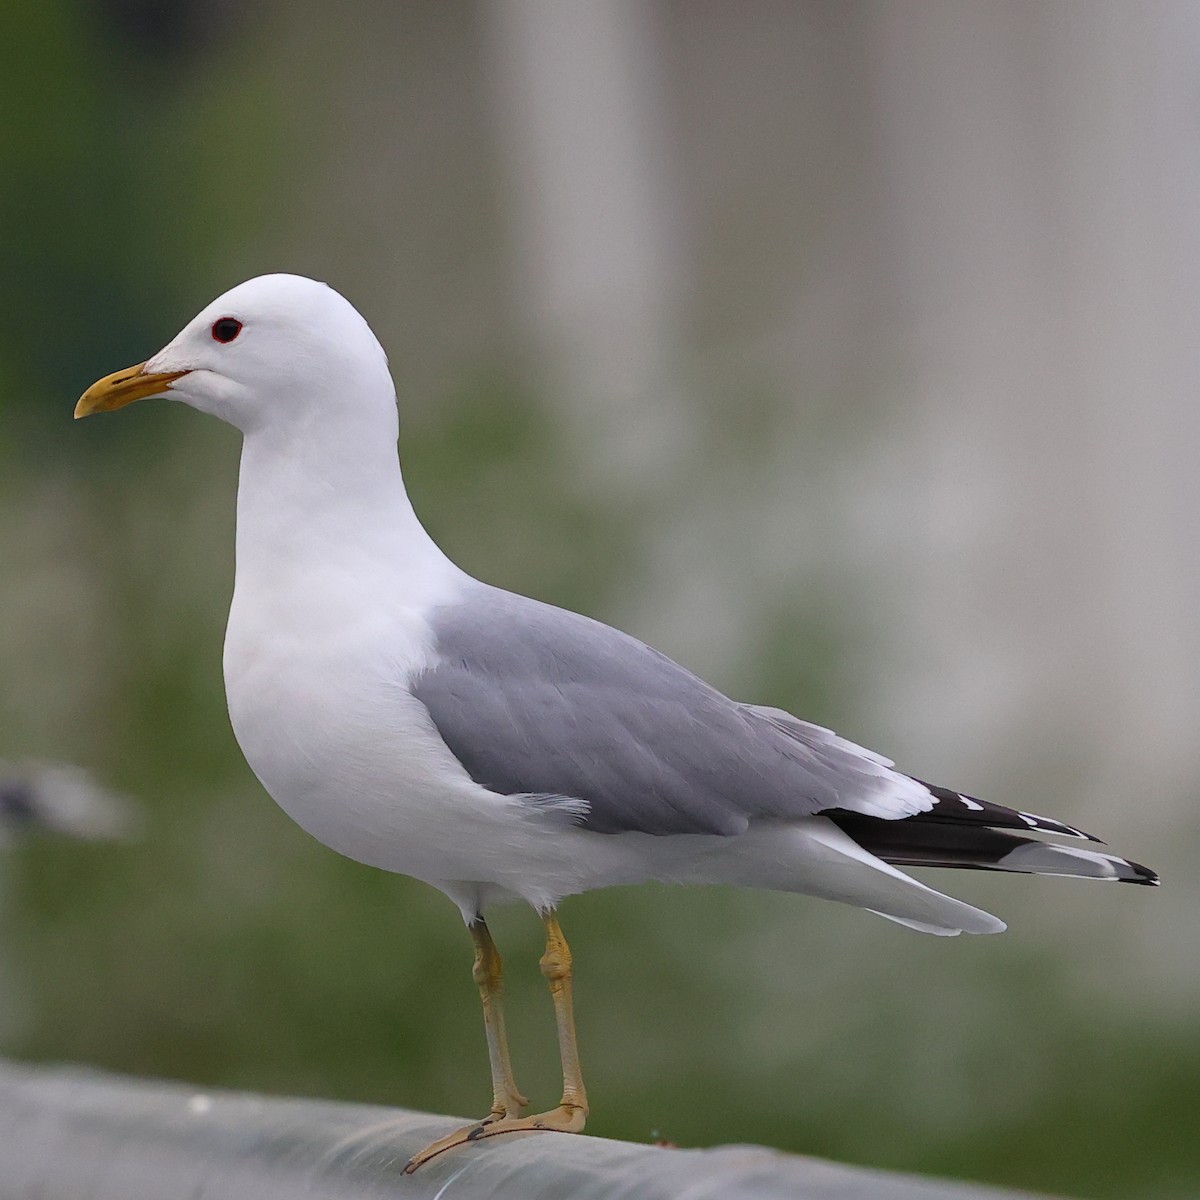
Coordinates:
63	799
500	749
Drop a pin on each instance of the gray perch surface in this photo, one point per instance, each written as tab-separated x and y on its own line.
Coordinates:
68	1134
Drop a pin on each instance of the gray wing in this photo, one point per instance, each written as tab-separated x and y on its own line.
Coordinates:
539	701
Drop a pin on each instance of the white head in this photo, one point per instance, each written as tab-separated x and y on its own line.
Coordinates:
278	352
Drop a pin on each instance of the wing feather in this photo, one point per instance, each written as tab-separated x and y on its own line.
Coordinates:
536	700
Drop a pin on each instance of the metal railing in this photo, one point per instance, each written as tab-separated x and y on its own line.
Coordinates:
69	1134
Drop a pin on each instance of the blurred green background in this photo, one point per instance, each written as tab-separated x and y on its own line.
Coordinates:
844	351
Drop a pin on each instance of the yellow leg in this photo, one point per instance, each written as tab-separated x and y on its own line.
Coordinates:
571	1113
489	975
556	967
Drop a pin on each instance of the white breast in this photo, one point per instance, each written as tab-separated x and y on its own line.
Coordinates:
317	658
335	738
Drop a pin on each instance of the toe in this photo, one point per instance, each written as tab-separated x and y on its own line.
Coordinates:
564	1119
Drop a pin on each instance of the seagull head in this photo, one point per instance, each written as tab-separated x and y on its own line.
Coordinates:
276	352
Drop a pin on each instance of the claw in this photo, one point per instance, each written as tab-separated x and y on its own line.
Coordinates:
564	1119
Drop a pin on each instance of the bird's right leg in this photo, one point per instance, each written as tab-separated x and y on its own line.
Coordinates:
488	973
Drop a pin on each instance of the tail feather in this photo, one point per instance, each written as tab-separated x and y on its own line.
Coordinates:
927	841
814	857
827	862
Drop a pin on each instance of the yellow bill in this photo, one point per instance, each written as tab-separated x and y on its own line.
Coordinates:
122	388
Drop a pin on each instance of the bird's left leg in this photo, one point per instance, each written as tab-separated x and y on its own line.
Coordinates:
507	1100
572	1110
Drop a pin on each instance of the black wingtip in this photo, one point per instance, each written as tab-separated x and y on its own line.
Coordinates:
959	808
1142	875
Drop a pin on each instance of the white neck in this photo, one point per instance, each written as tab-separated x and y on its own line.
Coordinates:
311	506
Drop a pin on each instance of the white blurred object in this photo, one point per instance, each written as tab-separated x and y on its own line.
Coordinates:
62	799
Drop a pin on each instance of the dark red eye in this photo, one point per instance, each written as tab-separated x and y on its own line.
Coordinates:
225	329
